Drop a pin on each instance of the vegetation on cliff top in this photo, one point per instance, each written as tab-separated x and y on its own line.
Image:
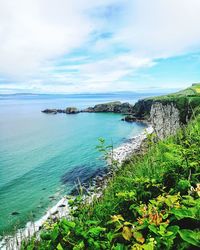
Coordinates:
186	101
152	202
192	91
183	98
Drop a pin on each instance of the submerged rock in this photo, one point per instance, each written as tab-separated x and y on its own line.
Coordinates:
15	213
52	198
79	172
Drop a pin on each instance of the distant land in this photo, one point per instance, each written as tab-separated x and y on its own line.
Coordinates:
141	92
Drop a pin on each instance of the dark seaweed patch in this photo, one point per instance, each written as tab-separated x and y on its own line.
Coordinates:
84	174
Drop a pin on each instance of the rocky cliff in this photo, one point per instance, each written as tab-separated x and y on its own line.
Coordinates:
170	112
165	119
165	116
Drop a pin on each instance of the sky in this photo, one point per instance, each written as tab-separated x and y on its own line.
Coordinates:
75	46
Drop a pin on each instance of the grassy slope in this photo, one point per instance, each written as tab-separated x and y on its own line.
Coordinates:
190	95
187	101
193	91
151	203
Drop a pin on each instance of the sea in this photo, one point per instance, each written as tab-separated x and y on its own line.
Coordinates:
42	156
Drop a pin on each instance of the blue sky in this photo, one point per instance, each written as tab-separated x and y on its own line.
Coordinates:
74	46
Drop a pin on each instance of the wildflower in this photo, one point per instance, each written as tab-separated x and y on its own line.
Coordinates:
196	190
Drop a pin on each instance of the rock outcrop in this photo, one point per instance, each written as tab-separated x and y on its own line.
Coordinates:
170	112
71	110
68	110
129	118
166	116
115	107
50	111
142	108
165	119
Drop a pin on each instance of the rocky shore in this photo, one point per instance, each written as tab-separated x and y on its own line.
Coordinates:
94	191
124	151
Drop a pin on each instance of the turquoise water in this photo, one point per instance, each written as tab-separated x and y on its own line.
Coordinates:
38	150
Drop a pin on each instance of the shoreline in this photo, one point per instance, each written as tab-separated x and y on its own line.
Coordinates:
62	209
126	149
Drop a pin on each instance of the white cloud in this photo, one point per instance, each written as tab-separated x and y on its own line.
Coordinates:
110	70
98	76
35	34
162	28
32	32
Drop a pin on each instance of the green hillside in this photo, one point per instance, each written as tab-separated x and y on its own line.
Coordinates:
187	101
193	91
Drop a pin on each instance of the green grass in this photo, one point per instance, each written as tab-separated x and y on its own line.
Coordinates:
151	202
187	101
193	91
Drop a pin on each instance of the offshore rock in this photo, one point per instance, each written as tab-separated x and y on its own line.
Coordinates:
50	111
71	110
114	107
129	118
68	110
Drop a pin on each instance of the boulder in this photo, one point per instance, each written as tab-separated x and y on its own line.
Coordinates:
71	110
106	107
50	111
15	213
123	108
129	118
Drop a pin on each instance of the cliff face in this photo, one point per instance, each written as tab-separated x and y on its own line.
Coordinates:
142	108
165	119
170	112
166	116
